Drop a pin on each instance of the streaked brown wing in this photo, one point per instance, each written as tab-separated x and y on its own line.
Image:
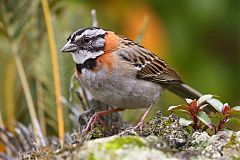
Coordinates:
158	71
149	66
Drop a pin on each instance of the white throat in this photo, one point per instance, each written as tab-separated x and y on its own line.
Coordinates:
83	55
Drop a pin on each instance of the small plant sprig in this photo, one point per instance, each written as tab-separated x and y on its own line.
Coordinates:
200	119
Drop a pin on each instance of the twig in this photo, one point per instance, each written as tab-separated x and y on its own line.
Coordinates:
71	87
40	106
28	96
81	99
24	82
85	93
57	84
143	29
94	18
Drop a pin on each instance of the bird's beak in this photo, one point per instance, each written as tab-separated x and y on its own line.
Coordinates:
69	47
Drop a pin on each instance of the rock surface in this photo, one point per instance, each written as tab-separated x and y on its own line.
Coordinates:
161	138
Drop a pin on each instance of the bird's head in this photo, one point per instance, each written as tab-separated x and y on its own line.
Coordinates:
89	43
86	43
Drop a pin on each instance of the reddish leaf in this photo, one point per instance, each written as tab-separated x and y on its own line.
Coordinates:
193	106
226	109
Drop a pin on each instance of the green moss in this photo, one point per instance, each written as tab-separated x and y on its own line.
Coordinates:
169	122
96	133
121	142
91	156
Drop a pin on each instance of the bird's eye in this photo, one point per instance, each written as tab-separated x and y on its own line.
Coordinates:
86	39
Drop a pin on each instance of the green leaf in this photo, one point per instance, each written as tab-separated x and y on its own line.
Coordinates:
236	108
216	104
185	122
178	107
204	98
233	124
203	117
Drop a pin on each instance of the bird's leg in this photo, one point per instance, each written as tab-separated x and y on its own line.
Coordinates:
96	117
140	124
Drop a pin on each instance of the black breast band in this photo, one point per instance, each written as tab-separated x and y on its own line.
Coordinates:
88	64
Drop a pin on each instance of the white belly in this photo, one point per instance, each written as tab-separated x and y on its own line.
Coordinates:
119	91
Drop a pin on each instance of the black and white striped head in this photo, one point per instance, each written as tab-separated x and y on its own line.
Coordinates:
86	43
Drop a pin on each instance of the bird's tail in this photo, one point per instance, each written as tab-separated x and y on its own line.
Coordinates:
184	91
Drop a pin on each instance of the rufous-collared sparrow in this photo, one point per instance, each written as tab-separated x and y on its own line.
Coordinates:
120	72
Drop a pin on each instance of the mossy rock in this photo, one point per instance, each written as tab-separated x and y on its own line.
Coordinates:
161	138
124	147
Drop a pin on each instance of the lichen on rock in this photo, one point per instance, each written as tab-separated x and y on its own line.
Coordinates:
164	138
161	138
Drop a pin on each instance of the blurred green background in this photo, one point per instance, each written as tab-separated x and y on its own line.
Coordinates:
199	38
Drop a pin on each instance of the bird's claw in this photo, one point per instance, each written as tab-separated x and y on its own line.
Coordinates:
139	126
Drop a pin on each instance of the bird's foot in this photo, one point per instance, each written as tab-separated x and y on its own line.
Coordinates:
93	120
139	126
96	117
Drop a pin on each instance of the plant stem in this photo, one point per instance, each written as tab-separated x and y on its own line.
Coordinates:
143	29
40	106
47	17
24	82
28	96
9	90
221	123
94	18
